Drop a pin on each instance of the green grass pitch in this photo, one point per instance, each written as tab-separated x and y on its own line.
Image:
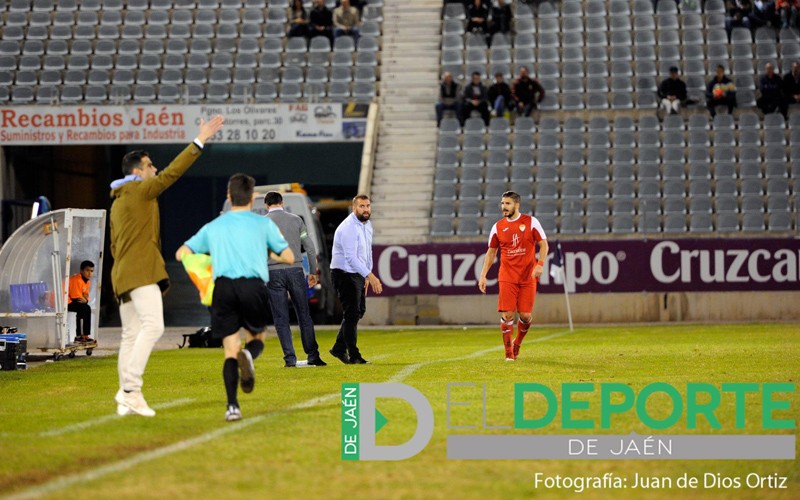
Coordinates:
59	436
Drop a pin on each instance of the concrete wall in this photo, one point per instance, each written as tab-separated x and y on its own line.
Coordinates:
592	308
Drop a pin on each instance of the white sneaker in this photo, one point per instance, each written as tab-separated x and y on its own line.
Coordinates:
233	414
510	359
135	403
119	398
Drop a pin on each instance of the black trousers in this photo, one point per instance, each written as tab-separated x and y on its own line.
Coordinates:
84	315
350	289
482	108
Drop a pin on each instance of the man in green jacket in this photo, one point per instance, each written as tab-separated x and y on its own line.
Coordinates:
139	276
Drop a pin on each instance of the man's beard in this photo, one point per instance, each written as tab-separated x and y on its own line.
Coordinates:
363	217
511	214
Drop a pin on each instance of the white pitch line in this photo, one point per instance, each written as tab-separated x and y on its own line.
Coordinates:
67	481
147	456
108	418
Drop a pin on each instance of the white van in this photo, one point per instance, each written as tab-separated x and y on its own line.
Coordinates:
322	297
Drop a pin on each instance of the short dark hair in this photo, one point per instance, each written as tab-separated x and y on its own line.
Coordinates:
273	198
476	73
719	66
673	69
360	197
499	73
86	263
240	189
133	160
511	194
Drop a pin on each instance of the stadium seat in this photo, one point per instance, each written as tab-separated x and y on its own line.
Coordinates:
752	222
727	222
441	226
780	221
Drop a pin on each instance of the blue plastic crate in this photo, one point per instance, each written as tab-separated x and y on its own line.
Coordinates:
13	351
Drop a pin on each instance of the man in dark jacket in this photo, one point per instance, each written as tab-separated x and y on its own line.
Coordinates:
672	92
771	87
139	275
527	92
448	98
737	14
500	96
478	17
501	17
475	99
320	21
791	84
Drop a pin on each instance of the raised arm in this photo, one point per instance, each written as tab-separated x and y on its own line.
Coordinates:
154	186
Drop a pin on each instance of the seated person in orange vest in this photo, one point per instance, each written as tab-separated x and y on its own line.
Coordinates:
79	301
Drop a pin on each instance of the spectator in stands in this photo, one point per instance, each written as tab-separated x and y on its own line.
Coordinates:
527	92
500	97
737	14
720	92
478	17
672	92
771	86
475	99
501	17
298	19
345	21
320	21
791	84
763	14
788	12
448	98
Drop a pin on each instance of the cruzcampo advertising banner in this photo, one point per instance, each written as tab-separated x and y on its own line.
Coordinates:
594	266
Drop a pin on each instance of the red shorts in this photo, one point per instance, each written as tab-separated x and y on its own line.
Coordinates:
516	296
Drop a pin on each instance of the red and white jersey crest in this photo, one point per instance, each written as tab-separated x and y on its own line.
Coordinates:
517	240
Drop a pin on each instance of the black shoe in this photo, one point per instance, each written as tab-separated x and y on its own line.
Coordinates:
340	356
317	362
247	377
290	365
359	361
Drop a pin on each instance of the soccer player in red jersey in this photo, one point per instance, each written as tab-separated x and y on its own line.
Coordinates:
516	236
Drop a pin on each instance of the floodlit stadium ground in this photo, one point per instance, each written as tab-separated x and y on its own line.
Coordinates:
60	437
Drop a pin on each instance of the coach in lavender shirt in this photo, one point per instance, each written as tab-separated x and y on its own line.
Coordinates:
351	271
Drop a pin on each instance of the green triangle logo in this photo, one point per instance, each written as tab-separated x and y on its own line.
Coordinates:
380	420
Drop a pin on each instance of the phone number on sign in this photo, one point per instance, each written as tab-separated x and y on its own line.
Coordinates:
246	135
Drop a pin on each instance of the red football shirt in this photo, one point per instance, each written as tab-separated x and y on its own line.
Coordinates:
516	240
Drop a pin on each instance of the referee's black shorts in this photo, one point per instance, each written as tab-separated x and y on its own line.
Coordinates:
239	303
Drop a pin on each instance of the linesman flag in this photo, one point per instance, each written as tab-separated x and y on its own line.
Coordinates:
559	277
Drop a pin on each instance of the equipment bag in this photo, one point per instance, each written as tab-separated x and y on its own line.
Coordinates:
201	338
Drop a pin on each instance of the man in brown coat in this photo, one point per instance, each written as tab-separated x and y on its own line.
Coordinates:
139	275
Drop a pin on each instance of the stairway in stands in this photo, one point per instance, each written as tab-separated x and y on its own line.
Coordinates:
402	183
